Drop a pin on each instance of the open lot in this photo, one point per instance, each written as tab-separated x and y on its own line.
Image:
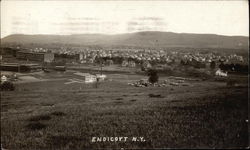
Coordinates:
49	114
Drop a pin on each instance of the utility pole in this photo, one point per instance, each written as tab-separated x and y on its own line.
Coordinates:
97	81
101	67
100	59
19	69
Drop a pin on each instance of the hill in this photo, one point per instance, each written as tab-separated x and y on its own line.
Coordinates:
140	39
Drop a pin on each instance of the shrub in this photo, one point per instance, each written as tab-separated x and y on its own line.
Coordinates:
40	117
7	86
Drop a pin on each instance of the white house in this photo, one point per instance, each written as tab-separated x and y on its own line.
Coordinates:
124	63
80	57
49	57
131	64
101	77
220	73
88	78
3	78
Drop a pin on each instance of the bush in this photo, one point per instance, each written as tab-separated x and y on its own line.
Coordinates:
7	86
212	65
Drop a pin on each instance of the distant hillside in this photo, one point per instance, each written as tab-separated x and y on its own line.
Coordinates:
143	39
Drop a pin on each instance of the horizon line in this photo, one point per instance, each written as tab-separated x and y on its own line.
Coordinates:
125	33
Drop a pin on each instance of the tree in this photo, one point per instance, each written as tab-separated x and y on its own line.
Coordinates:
143	68
222	66
153	76
212	65
182	62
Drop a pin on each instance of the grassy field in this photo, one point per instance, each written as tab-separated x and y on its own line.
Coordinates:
53	115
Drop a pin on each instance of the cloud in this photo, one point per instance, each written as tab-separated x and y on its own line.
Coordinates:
146	24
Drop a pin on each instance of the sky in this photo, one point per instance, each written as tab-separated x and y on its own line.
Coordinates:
115	17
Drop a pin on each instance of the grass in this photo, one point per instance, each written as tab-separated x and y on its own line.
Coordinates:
62	141
208	115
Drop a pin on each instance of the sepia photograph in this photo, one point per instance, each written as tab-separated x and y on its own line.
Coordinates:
126	74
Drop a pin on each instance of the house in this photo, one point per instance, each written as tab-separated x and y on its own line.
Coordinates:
101	77
124	63
88	78
109	62
15	67
91	60
49	57
81	57
221	73
60	68
33	56
146	64
3	78
9	51
131	64
23	55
